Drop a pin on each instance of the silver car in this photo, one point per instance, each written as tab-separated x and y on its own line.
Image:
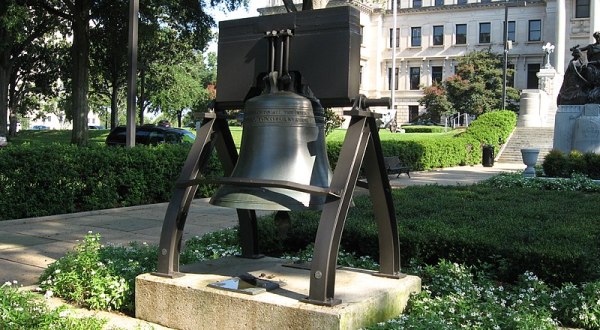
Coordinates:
3	141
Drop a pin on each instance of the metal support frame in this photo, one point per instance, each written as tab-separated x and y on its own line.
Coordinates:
214	133
361	146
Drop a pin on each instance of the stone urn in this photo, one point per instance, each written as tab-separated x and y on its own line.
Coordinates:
530	158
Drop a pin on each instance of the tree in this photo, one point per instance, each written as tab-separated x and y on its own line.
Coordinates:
21	24
108	56
184	85
188	18
474	89
436	101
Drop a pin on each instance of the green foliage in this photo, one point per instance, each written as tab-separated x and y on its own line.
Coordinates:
24	310
512	229
476	87
86	279
456	296
211	246
492	127
577	182
435	100
81	179
423	129
557	164
332	121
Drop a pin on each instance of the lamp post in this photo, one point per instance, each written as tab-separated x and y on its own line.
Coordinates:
394	47
505	58
507	47
548	49
132	51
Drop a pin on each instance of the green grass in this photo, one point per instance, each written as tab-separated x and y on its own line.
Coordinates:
97	137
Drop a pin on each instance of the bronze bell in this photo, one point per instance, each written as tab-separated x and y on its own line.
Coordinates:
283	139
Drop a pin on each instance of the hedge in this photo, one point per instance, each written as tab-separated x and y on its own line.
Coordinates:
554	234
463	149
422	129
39	180
561	165
56	179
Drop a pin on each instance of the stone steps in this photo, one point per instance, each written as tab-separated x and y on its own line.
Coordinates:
526	137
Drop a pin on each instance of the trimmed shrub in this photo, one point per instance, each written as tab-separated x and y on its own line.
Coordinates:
557	164
474	225
56	179
423	129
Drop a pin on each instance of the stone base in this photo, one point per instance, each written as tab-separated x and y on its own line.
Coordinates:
187	302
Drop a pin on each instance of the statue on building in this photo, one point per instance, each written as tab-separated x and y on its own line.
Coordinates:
581	84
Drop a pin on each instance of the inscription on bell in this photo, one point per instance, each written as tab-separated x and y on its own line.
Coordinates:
280	116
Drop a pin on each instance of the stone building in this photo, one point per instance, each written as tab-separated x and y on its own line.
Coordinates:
432	34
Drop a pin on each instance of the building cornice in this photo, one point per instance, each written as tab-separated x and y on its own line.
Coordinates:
469	6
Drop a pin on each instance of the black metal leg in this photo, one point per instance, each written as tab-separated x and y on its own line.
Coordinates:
333	216
177	211
383	206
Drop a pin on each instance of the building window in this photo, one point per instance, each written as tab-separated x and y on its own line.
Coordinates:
532	79
390	79
397	37
415	36
415	78
486	1
436	74
535	30
438	35
510	31
485	33
417	3
439	2
362	33
461	2
582	8
461	34
360	74
391	4
413	113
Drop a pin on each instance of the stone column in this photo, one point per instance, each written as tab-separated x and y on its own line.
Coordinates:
594	17
560	32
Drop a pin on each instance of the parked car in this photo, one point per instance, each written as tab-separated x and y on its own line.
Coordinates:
3	140
164	123
95	127
40	127
151	135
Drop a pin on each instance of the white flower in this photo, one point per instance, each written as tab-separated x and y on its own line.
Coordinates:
57	271
48	294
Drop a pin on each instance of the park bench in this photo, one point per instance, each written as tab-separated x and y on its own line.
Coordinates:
393	165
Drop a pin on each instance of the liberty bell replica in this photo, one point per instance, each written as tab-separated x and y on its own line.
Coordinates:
283	144
282	162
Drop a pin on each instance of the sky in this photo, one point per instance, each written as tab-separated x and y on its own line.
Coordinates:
219	15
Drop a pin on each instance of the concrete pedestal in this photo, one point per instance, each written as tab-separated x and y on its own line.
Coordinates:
187	302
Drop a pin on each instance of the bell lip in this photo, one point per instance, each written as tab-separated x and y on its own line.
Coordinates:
275	199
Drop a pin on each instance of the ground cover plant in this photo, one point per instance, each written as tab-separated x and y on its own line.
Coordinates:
25	310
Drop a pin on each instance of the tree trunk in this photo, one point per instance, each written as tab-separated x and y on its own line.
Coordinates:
114	111
5	68
80	58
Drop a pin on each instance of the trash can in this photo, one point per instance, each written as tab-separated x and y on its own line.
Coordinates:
488	155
